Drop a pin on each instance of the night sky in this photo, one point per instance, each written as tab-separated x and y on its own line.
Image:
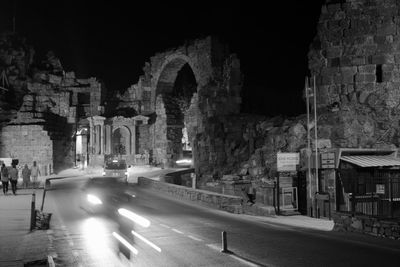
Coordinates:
111	40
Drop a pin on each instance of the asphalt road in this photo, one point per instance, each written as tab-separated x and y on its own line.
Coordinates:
184	234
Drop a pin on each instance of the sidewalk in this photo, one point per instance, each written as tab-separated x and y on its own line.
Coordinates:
19	245
299	221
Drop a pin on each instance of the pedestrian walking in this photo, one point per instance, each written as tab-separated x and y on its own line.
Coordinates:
26	176
4	178
14	178
35	172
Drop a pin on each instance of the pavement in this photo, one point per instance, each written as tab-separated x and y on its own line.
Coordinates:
21	247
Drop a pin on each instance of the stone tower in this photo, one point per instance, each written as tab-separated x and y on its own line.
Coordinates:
355	58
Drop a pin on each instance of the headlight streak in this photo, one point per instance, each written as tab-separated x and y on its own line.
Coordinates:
134	217
184	161
126	243
146	241
93	199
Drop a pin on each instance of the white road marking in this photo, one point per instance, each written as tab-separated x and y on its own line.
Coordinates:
146	241
165	226
176	231
214	246
195	238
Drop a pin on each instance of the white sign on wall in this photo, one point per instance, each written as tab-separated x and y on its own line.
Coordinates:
380	189
287	162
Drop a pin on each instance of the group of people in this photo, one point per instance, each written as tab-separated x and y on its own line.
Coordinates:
11	175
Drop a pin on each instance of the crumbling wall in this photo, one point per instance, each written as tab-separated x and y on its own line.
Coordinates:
356	61
219	81
245	147
27	143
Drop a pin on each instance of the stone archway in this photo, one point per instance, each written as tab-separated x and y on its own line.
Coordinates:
175	88
121	141
218	81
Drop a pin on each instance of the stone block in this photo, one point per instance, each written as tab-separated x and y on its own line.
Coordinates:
367	69
356	61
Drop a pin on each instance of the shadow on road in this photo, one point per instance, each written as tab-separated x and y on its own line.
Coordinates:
233	254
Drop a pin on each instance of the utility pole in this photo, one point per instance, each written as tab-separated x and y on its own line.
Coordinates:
316	135
307	89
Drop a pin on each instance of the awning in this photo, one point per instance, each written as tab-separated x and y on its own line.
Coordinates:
372	160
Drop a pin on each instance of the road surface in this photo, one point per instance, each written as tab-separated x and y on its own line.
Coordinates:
184	234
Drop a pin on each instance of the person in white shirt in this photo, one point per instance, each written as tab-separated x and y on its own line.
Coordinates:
35	172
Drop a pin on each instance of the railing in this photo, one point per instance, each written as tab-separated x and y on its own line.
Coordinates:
375	194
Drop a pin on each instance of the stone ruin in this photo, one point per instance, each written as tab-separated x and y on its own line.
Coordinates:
184	89
354	57
41	106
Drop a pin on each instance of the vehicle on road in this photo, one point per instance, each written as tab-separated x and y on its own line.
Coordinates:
104	195
117	168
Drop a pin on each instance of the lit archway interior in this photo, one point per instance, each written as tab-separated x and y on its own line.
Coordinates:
177	84
121	144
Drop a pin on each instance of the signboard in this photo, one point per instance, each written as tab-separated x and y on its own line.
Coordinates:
287	162
328	160
6	161
380	189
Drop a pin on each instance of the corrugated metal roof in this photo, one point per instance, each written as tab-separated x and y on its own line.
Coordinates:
372	160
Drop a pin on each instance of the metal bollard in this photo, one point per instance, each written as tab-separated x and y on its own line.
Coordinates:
224	243
33	212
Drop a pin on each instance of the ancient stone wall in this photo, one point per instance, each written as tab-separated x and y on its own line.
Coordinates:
247	145
27	143
356	60
143	136
367	225
218	79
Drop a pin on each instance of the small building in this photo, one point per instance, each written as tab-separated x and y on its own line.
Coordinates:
362	182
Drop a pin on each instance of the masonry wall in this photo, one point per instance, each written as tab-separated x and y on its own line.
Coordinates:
367	225
144	138
356	59
27	143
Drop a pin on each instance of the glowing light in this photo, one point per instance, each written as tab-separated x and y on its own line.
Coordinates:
95	235
184	161
146	241
93	199
125	243
134	217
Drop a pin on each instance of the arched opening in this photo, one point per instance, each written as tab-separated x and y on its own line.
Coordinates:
177	84
121	144
81	147
184	87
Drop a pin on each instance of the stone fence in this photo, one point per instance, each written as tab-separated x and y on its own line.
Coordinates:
231	204
366	225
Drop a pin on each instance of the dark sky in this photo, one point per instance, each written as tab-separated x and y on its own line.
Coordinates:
111	40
